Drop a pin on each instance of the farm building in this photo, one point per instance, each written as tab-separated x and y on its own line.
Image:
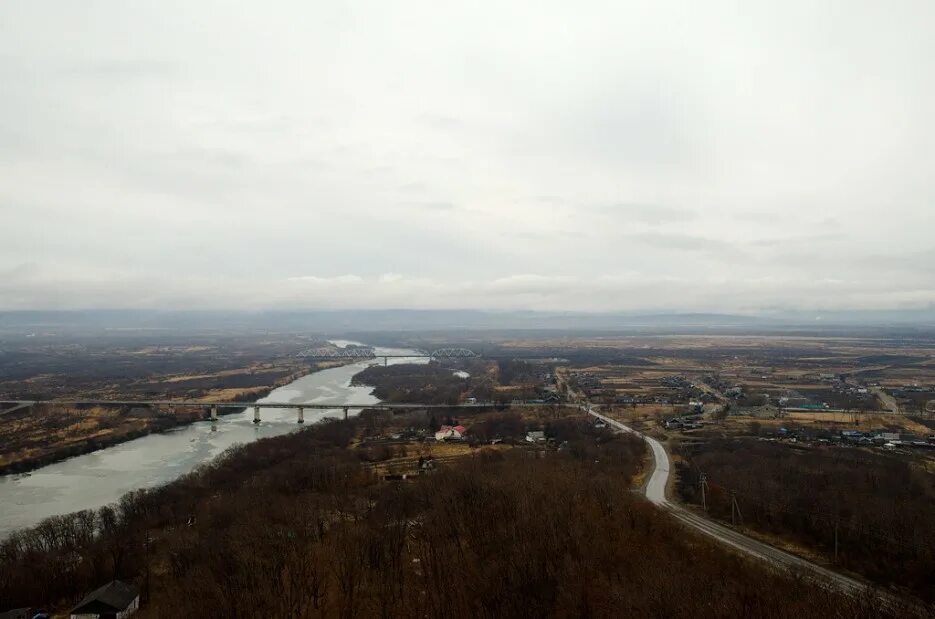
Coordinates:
23	613
115	600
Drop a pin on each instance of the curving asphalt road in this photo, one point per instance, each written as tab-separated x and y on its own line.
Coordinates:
655	491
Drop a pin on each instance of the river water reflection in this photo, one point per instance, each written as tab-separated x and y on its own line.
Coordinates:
101	477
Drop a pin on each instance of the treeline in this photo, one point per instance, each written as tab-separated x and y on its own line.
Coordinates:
43	369
879	507
423	384
577	354
56	562
483	425
295	527
518	371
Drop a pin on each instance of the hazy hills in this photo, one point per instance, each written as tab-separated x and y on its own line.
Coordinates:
340	321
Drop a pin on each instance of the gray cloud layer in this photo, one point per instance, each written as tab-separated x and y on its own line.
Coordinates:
665	155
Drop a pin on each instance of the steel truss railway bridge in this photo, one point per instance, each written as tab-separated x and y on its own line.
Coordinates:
366	352
212	408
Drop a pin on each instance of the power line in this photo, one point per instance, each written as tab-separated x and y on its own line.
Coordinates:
832	521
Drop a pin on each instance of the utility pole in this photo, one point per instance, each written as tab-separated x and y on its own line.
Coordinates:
734	509
704	486
835	542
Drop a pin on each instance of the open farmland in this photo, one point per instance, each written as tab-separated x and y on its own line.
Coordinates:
750	371
205	368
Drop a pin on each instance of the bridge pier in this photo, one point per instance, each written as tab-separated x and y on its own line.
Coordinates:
345	414
214	413
256	414
386	361
301	415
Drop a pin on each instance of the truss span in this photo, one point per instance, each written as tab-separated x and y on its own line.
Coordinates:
453	353
356	352
359	352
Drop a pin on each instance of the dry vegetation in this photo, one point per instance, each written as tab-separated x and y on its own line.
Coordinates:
881	506
628	366
793	486
422	383
33	437
221	369
830	422
302	525
297	526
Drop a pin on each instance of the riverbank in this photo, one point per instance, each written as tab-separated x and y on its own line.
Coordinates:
102	477
40	436
306	522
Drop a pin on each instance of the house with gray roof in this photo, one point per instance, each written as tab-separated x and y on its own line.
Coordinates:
115	600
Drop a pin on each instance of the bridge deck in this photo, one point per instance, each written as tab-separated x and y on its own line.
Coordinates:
308	405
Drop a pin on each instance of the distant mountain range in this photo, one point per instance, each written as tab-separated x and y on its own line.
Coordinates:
331	321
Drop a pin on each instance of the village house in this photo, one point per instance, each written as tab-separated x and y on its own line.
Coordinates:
551	398
684	423
852	436
24	613
115	600
450	433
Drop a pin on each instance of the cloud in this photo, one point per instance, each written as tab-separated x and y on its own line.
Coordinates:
410	155
440	121
81	288
125	69
683	242
531	284
340	280
439	206
652	214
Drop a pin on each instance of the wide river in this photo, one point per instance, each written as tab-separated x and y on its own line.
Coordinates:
102	477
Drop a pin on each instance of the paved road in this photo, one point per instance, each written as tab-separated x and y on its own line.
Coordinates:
656	492
15	408
888	401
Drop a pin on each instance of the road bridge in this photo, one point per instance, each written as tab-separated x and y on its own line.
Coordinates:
212	408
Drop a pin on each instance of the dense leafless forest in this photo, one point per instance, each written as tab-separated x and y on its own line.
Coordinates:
427	384
880	506
299	526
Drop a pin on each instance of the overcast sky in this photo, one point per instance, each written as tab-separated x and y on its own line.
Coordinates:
685	156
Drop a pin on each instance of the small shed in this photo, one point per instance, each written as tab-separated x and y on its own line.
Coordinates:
22	613
115	600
